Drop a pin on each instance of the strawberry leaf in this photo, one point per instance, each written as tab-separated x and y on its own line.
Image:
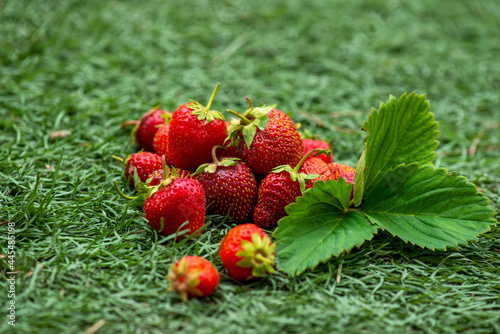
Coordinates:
401	131
318	226
428	207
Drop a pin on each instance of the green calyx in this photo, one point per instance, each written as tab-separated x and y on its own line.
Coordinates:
204	113
212	167
302	178
257	254
251	120
167	179
184	281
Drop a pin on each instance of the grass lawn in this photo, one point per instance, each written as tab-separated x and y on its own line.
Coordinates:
88	261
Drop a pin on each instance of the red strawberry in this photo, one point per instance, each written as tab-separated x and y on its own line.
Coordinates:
145	128
144	162
157	176
266	138
229	186
279	189
247	252
316	165
173	202
193	277
193	132
311	144
160	140
344	171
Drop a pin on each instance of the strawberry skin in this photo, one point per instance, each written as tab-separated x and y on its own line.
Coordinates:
230	188
160	140
144	162
190	140
193	277
317	166
311	144
278	144
341	170
179	201
247	252
276	191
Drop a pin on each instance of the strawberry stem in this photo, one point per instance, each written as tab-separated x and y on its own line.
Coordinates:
304	158
117	158
118	190
249	103
212	97
214	155
127	123
242	118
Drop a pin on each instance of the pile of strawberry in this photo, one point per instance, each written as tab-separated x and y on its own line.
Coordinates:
192	162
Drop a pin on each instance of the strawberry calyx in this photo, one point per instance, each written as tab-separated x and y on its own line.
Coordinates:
204	113
212	167
167	179
302	178
250	120
257	254
184	281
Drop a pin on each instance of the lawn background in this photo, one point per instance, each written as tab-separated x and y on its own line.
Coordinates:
85	256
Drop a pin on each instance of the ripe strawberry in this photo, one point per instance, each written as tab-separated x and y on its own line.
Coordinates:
193	132
193	277
145	128
316	165
160	140
142	162
344	171
277	190
265	138
247	252
173	202
229	185
311	144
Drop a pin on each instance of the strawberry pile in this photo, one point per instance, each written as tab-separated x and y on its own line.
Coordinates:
193	162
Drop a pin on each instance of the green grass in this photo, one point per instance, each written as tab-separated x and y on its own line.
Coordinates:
85	255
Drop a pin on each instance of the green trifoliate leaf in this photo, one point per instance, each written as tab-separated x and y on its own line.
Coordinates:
359	180
401	131
428	207
318	226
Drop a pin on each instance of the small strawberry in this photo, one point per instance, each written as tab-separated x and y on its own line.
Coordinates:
193	277
174	202
344	171
279	189
139	166
194	131
229	186
160	140
247	252
265	138
146	128
311	144
316	165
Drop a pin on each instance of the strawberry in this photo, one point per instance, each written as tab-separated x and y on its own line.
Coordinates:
344	171
142	162
145	128
279	189
311	144
160	140
173	202
194	131
229	186
316	165
265	138
247	252
193	277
